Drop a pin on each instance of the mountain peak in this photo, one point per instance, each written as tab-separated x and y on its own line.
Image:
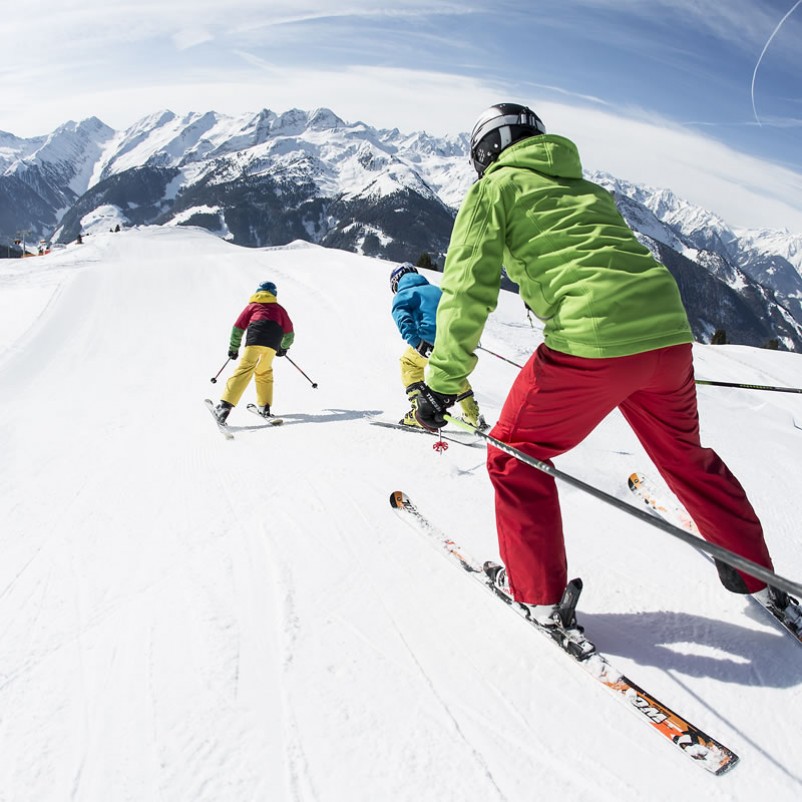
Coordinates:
324	119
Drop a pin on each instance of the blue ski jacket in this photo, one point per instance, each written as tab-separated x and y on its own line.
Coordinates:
415	308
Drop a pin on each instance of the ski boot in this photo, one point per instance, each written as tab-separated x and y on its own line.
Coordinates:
221	411
558	620
480	424
782	605
412	393
471	414
546	615
409	419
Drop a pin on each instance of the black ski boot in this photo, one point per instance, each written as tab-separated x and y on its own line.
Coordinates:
221	411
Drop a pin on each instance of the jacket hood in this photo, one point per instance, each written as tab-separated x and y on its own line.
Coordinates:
262	297
548	153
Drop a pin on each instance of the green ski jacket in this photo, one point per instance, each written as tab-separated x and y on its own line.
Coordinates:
577	263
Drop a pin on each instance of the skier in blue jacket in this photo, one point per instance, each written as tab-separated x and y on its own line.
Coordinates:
414	310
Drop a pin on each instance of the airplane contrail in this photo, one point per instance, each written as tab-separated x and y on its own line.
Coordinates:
763	53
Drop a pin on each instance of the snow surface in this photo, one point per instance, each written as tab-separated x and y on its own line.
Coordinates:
190	618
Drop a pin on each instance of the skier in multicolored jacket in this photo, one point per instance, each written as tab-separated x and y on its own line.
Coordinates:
270	334
414	309
616	335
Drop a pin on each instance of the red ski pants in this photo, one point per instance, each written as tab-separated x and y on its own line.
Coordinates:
555	402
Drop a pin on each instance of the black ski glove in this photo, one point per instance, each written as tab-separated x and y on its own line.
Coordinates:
431	407
233	353
424	348
281	352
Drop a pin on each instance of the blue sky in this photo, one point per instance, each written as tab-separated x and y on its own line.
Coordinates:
701	96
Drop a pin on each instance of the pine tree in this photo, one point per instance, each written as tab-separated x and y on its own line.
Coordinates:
425	261
371	245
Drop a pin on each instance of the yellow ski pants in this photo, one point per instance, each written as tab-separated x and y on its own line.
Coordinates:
412	370
257	361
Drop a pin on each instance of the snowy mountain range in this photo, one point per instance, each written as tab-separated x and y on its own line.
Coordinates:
266	179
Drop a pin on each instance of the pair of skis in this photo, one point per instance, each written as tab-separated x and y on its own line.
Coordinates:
705	751
224	428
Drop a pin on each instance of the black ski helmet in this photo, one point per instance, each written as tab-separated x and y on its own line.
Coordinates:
399	271
499	127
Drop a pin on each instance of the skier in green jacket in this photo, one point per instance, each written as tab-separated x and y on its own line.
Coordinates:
616	335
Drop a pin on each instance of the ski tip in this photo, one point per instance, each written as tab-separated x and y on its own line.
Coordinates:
397	498
728	761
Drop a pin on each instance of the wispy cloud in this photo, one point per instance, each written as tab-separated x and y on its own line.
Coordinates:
741	23
645	148
421	65
191	37
778	122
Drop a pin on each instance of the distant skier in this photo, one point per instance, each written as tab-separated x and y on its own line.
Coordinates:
616	335
414	308
270	334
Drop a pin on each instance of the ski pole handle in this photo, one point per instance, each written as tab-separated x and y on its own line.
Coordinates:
213	380
314	384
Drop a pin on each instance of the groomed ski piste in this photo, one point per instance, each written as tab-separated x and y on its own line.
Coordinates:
186	617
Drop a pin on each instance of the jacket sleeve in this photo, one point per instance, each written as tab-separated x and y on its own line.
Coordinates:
239	327
236	338
288	337
404	319
471	284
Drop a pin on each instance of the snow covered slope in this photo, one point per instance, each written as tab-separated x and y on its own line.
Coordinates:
188	618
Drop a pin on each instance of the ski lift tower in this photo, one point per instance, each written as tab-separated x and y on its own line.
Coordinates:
20	240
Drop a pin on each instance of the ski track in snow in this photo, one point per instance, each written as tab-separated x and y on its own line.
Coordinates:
299	780
430	687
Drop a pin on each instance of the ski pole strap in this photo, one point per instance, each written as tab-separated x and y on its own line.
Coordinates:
725	555
750	386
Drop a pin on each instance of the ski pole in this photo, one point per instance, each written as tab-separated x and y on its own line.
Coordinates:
213	380
750	386
314	384
725	555
697	381
482	348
